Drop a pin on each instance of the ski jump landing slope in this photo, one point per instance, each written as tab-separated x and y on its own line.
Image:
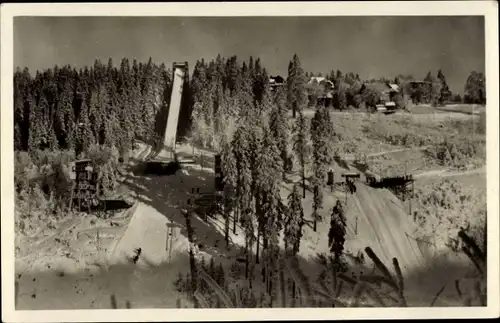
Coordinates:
179	75
378	219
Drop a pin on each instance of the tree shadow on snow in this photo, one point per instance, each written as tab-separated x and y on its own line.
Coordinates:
141	285
169	194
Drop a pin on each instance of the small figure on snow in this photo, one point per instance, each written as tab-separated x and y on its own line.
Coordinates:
137	254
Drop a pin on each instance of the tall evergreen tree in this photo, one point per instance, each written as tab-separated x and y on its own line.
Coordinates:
244	91
269	165
336	237
445	94
340	95
300	147
279	126
475	88
432	89
228	165
294	222
232	72
296	86
240	144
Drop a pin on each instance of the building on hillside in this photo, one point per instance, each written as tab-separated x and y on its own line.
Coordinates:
321	81
323	92
386	90
276	81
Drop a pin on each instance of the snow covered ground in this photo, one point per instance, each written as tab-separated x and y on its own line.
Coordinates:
376	218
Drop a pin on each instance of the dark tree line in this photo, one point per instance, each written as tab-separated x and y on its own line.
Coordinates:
434	89
63	108
253	156
350	91
224	90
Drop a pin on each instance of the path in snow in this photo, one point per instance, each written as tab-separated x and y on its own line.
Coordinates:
448	173
387	152
147	230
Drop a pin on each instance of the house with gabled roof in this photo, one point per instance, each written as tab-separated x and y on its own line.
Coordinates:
276	81
324	87
387	93
321	81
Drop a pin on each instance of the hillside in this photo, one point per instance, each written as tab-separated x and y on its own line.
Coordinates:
376	218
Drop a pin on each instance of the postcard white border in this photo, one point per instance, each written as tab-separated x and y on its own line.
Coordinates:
489	9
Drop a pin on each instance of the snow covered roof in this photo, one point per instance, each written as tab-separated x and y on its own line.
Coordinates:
276	80
319	80
393	86
383	87
390	104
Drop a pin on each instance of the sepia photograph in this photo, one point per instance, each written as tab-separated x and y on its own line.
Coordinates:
214	160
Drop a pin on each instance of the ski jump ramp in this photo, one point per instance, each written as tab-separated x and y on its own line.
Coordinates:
180	76
377	218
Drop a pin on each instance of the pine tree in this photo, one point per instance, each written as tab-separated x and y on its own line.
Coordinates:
260	82
317	200
65	107
278	124
247	224
300	147
475	88
296	86
240	144
148	98
36	130
20	93
244	91
273	218
203	108
294	222
432	90
228	165
340	95
232	72
321	135
293	226
269	165
336	237
135	100
445	94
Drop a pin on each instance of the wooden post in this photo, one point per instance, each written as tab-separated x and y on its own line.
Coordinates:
412	190
171	242
346	188
330	180
356	226
166	240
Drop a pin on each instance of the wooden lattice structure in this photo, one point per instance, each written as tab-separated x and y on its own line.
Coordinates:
85	193
401	186
349	181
